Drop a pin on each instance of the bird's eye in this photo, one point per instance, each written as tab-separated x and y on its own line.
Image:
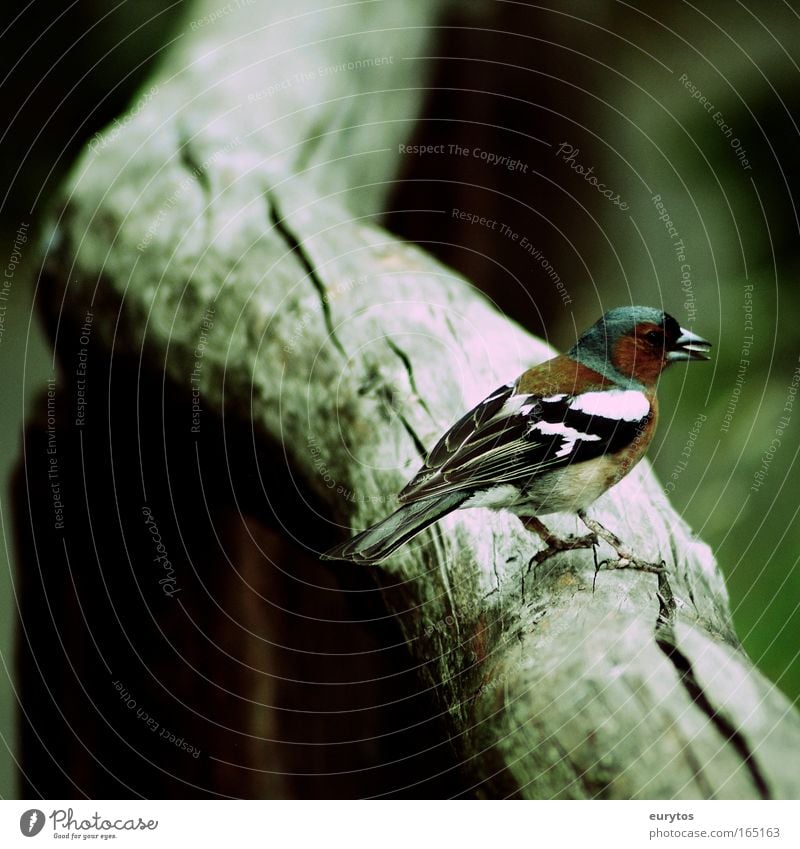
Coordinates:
654	337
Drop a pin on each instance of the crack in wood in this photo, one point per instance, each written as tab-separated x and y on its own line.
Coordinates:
405	360
419	445
199	171
695	765
190	162
385	392
312	143
296	247
494	562
667	643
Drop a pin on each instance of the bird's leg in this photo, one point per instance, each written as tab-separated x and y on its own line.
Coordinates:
555	545
627	559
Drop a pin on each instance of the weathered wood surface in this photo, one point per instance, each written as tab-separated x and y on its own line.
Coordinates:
235	192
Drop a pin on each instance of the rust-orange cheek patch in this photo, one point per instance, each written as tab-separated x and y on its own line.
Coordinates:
634	359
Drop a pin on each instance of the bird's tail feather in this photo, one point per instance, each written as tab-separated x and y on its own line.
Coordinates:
382	539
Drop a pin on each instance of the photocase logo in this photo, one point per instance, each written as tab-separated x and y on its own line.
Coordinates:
31	822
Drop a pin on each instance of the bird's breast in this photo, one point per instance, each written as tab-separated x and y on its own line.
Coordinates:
570	488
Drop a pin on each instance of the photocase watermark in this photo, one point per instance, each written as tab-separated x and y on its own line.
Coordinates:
489	157
218	14
305	77
206	326
744	359
169	583
780	429
53	470
524	243
680	255
719	119
101	140
185	184
152	723
569	154
32	822
81	369
682	464
67	826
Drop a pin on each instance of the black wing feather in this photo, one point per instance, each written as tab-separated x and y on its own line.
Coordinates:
505	439
468	425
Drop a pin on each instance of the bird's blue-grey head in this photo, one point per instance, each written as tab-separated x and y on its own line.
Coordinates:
632	345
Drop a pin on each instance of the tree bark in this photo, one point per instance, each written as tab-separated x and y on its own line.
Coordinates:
225	242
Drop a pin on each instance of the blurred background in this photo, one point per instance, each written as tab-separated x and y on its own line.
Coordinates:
626	153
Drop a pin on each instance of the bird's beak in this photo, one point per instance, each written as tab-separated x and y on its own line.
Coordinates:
689	346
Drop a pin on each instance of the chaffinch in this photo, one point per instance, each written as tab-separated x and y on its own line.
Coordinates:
552	441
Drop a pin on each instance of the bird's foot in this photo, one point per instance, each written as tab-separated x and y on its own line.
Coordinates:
626	558
555	545
630	562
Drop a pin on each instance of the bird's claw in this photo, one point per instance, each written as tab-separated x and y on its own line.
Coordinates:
558	545
572	543
630	562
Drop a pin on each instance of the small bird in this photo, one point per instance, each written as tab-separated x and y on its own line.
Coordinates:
552	441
